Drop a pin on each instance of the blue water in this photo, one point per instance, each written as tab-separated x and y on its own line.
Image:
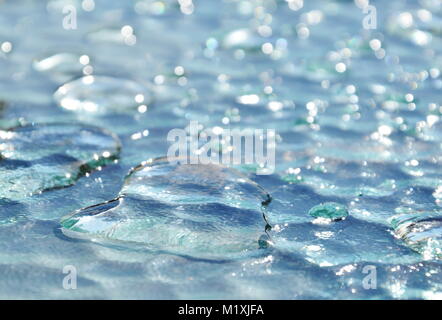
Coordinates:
357	116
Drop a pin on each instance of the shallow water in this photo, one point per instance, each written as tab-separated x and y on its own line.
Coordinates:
357	116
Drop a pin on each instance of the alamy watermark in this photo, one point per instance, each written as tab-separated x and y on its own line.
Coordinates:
370	20
370	281
70	18
70	280
70	13
218	145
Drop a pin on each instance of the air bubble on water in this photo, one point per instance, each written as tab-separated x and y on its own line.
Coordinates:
243	39
63	66
206	211
329	210
102	94
422	232
35	158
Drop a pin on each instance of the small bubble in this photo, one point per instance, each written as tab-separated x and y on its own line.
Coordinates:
127	30
341	67
6	47
329	210
88	5
179	71
375	44
267	48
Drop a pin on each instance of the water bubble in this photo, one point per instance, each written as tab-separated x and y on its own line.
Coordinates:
6	47
35	158
206	211
118	35
101	94
422	232
405	20
62	66
329	210
244	39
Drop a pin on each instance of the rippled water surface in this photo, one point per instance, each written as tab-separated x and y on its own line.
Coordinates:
84	117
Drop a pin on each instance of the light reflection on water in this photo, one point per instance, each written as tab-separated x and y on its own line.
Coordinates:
357	113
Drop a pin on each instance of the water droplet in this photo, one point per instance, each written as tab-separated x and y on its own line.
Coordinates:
421	232
329	210
244	39
100	94
35	158
62	66
200	210
118	35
